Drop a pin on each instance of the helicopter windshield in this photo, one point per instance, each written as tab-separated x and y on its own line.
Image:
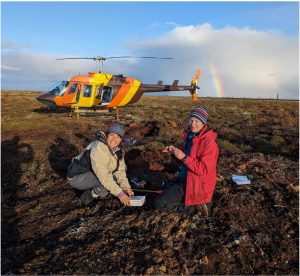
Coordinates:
59	88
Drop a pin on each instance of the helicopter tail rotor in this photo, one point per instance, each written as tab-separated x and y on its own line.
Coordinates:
195	86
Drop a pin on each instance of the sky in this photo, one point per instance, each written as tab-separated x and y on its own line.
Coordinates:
243	49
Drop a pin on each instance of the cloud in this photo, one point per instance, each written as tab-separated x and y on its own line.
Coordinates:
157	25
9	68
170	23
249	63
15	46
234	63
36	71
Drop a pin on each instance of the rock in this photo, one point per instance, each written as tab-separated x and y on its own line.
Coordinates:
150	270
294	187
173	124
163	268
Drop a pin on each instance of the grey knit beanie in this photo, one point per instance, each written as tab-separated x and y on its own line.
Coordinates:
116	128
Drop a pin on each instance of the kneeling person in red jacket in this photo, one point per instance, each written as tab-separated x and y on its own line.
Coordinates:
194	187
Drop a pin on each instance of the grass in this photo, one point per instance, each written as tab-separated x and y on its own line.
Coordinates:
267	126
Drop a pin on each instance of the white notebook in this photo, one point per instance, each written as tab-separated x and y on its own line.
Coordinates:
240	179
137	200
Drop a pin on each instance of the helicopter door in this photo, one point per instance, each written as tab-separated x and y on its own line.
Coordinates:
78	93
98	94
69	97
106	95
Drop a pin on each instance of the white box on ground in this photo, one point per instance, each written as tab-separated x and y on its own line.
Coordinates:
240	179
137	200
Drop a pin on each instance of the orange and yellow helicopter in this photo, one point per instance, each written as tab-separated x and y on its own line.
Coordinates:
98	92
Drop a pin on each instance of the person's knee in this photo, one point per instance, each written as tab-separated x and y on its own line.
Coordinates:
76	185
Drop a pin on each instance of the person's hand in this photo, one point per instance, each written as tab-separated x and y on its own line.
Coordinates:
168	149
129	192
124	198
179	154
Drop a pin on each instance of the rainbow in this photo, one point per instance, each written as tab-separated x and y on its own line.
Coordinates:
216	80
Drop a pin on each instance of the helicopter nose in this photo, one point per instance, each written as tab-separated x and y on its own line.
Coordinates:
47	100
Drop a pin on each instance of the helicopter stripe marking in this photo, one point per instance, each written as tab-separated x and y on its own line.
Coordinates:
120	95
130	94
136	96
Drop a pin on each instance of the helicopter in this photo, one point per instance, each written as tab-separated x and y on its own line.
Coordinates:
103	92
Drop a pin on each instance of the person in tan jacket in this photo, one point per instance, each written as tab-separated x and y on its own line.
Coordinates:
101	168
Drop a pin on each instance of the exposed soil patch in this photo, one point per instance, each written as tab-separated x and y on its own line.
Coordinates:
148	129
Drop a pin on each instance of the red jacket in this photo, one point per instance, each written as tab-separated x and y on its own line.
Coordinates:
201	168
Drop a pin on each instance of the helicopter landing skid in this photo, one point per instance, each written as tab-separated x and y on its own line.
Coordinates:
85	111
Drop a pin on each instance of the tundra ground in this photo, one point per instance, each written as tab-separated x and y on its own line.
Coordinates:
253	229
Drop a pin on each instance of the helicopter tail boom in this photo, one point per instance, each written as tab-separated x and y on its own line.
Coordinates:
148	88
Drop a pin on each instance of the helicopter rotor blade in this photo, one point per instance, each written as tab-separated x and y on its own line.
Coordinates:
99	58
196	76
157	57
119	57
140	57
75	58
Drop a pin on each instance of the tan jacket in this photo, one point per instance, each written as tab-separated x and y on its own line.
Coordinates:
103	164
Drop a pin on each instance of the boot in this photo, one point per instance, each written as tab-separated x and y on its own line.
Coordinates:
203	209
86	197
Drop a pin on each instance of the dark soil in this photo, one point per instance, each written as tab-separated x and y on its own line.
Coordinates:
253	229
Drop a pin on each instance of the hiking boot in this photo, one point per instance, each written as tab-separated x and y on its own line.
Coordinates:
94	195
99	191
203	209
86	197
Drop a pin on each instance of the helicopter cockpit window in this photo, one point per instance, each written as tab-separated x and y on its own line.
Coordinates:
58	88
106	94
73	88
87	91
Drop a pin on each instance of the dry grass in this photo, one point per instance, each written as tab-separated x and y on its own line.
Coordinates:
268	126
